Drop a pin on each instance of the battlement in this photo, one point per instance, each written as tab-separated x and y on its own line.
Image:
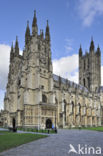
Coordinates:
90	68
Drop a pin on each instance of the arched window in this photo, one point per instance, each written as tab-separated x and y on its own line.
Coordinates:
19	82
72	107
79	108
84	82
65	110
88	80
80	111
88	63
56	101
84	64
44	98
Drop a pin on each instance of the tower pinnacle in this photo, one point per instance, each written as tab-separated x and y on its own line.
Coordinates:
80	51
34	25
11	52
98	51
12	48
47	33
91	45
41	34
27	34
16	47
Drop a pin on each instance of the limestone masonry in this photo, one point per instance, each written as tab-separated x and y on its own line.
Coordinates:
35	97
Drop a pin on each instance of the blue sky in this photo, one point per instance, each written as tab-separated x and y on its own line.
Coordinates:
71	22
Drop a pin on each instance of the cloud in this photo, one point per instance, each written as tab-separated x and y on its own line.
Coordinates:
68	46
89	9
4	68
67	67
4	64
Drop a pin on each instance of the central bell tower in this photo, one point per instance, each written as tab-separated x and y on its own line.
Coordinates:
90	68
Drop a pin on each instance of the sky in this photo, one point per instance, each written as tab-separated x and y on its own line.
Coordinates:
72	22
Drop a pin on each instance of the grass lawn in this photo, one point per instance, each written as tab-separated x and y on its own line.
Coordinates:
94	128
36	130
90	128
10	139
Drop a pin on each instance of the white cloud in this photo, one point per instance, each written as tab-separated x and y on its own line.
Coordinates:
4	64
4	68
89	9
68	46
67	67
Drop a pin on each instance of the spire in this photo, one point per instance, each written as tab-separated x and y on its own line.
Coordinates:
16	47
34	25
41	34
80	51
47	33
91	45
12	48
27	34
98	50
11	52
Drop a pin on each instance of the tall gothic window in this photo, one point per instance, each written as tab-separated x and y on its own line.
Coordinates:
65	110
84	64
88	63
44	98
72	107
79	108
56	101
19	82
88	79
80	111
84	82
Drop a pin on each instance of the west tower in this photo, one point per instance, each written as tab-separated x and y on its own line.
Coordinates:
30	98
90	68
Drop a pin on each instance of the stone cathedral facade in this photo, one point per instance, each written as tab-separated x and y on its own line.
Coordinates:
35	97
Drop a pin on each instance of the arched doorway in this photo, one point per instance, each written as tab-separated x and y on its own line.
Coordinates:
13	123
48	123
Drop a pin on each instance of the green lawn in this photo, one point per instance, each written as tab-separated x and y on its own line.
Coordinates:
90	128
10	139
36	130
94	128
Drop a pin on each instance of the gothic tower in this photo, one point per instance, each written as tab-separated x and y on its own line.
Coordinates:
90	68
35	97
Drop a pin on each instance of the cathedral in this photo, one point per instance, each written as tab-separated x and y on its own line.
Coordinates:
35	97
